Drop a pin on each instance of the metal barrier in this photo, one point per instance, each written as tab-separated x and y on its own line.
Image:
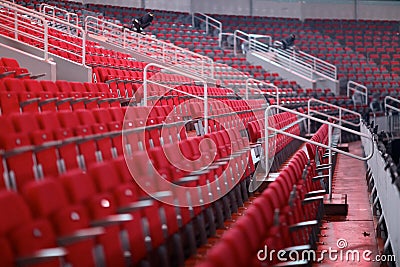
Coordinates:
329	146
393	122
385	194
59	13
341	110
251	81
150	46
26	24
210	22
146	81
251	40
357	88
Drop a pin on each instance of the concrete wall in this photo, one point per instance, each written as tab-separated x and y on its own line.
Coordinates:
36	65
65	70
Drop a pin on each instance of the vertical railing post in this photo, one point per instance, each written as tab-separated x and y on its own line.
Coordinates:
205	108
340	123
330	160
206	25
16	24
83	48
308	120
46	40
145	85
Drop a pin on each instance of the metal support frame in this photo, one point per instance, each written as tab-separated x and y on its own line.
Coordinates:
250	81
46	21
254	44
146	80
51	11
354	87
341	110
166	52
330	148
389	107
209	21
386	194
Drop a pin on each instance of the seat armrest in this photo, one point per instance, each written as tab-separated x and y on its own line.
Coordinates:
36	76
7	73
297	226
312	199
320	177
136	206
112	219
22	75
80	235
42	255
29	101
316	192
48	101
187	179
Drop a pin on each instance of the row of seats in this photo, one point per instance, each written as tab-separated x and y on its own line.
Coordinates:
50	143
284	216
93	198
29	95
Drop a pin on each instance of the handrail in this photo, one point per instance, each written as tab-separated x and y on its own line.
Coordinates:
331	149
251	39
210	21
51	11
150	46
341	111
359	88
252	80
386	193
146	80
300	62
388	106
39	25
389	116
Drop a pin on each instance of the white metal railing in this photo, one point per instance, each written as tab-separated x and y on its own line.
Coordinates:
60	13
357	88
150	46
392	121
299	62
251	40
210	22
35	28
147	80
331	127
339	119
386	193
251	81
389	106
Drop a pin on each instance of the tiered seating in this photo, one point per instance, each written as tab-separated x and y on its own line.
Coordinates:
283	216
18	95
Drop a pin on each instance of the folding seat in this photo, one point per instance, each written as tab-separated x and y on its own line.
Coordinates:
13	65
47	200
24	240
106	178
65	87
27	101
46	157
16	175
68	153
104	143
91	101
47	100
100	206
88	152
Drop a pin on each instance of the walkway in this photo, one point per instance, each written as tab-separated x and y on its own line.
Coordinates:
356	230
